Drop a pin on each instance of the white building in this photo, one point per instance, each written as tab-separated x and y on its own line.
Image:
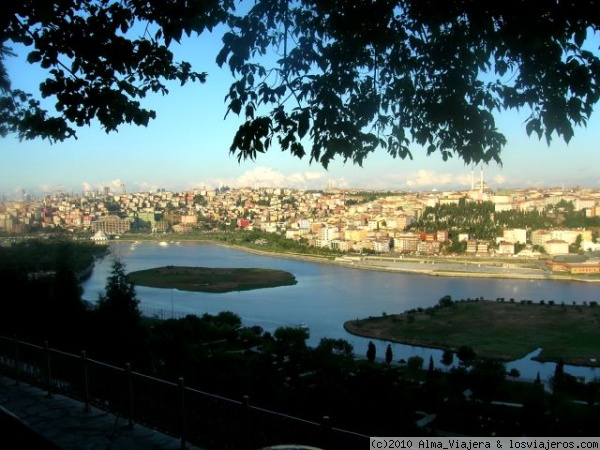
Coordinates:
99	236
556	247
518	235
329	233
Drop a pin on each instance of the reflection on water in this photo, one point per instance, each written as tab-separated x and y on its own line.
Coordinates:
326	295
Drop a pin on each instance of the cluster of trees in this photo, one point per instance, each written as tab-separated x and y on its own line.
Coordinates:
274	242
480	220
475	218
34	255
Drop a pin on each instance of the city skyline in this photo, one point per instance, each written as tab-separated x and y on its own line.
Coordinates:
187	147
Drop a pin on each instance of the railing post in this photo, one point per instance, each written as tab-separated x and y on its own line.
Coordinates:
183	428
326	432
48	372
17	361
129	395
86	387
246	406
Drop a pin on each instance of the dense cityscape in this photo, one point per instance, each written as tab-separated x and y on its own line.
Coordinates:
524	222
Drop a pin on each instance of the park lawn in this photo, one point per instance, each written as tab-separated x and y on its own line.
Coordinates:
493	329
206	279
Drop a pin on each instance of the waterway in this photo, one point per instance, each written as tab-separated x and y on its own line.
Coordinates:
327	295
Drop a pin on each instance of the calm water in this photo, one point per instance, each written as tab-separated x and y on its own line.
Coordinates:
326	295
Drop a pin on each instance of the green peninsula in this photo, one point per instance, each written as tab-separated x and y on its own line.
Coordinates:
206	279
495	329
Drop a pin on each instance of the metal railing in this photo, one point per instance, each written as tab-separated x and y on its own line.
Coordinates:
199	418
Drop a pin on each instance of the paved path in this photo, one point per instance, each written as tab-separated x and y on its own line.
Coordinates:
30	419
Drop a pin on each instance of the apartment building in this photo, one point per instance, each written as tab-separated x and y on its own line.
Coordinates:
111	225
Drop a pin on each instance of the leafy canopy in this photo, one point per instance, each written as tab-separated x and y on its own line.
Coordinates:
322	78
102	58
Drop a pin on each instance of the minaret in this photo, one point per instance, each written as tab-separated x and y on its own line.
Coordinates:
481	180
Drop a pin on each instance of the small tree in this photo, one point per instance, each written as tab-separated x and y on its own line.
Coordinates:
447	358
487	376
388	354
445	301
120	300
466	355
559	376
290	341
414	366
340	347
121	332
371	351
431	367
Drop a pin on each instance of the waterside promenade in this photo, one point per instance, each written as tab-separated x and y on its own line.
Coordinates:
439	266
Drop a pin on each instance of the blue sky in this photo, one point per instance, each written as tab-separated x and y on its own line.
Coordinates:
187	147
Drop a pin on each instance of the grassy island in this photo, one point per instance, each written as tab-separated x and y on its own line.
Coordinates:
206	279
495	329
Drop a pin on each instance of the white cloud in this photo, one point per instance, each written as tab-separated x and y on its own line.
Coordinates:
115	185
269	177
145	186
429	178
463	180
499	179
314	175
47	188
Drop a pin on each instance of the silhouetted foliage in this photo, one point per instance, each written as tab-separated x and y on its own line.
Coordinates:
371	351
466	355
447	357
120	336
487	377
389	354
324	79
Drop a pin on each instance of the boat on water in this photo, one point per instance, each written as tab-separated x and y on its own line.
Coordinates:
163	243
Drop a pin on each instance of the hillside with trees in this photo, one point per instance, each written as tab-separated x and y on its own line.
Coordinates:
480	220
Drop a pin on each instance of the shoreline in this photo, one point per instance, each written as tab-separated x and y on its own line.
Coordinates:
406	266
358	265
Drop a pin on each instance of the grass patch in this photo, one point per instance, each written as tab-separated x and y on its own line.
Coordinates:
205	279
499	330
